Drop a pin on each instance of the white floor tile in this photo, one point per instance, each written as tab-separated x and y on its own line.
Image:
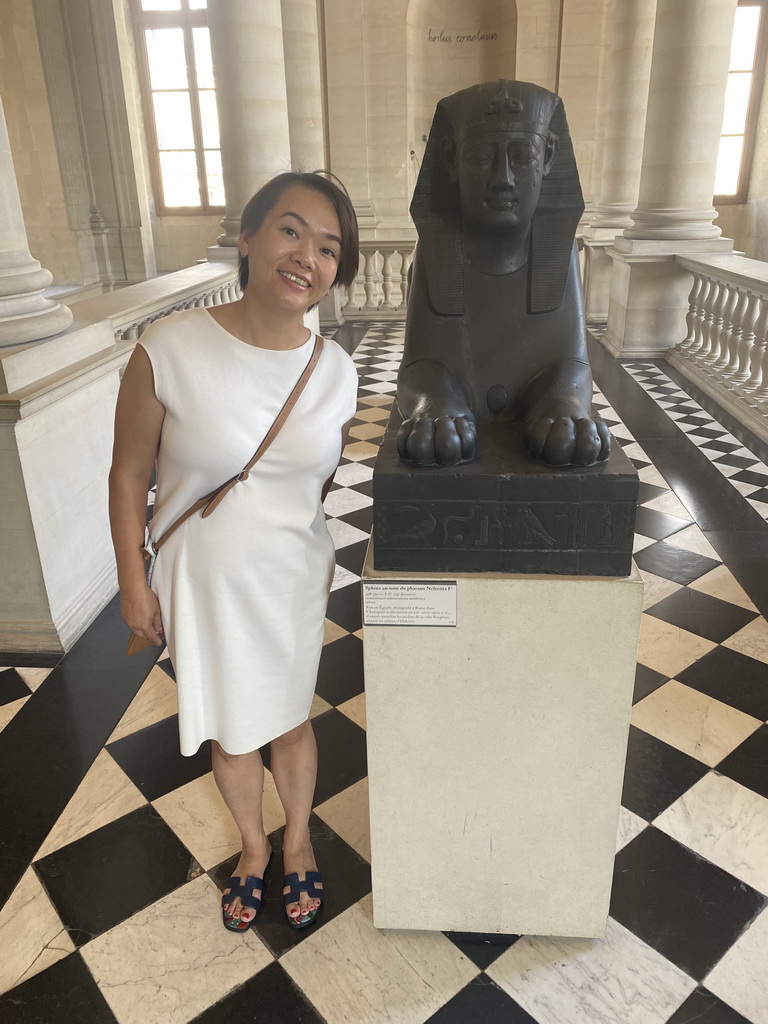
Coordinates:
32	936
741	977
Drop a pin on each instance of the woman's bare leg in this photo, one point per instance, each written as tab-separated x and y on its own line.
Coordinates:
240	778
294	767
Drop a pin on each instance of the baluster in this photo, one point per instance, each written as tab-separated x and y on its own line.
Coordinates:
405	260
386	279
726	331
716	327
131	333
705	351
746	341
369	277
758	348
736	334
691	317
698	318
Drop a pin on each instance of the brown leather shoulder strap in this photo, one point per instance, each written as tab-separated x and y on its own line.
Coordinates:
210	502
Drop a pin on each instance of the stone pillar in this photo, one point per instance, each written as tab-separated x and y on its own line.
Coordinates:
25	314
689	72
249	68
626	103
304	87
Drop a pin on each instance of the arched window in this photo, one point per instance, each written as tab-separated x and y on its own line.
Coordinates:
176	73
742	102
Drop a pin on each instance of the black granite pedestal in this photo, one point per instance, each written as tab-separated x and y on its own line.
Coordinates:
503	512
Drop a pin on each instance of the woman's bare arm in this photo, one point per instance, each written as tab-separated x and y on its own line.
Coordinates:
138	422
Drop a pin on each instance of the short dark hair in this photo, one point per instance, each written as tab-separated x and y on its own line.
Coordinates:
259	205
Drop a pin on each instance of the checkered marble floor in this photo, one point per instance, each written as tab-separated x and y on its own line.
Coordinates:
116	844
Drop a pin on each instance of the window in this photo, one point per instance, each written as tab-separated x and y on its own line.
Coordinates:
742	102
176	69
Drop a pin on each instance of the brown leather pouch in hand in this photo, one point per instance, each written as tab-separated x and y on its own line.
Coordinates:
136	644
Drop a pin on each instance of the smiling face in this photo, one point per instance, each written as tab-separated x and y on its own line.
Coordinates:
499	175
293	256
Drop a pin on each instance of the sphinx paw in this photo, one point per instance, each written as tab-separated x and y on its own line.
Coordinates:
567	441
428	440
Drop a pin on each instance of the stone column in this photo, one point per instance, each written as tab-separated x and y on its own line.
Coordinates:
25	314
304	87
689	72
627	100
249	68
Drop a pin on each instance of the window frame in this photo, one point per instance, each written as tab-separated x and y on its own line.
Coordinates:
739	198
186	19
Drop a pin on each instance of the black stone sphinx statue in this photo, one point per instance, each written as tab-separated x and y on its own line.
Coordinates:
495	323
495	460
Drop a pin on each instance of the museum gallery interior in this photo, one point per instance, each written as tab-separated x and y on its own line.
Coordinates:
132	132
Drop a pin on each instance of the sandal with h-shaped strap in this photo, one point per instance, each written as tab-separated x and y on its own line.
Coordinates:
245	891
296	888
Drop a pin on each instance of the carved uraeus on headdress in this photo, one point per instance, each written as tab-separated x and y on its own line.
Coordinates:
495	326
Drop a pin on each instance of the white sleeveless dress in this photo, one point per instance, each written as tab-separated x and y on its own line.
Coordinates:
243	592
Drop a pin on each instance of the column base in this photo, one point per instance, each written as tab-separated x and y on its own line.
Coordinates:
649	294
496	754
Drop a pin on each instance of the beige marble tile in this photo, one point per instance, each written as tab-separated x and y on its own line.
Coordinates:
319	706
656	588
651	475
365	431
752	640
8	711
157	699
358	633
105	794
719	582
354	708
741	978
360	450
33	677
375	400
667	648
630	826
639	542
670	504
616	980
347	814
692	539
32	936
373	415
697	724
169	962
333	632
350	971
726	824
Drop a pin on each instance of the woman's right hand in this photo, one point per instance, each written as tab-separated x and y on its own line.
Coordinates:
140	609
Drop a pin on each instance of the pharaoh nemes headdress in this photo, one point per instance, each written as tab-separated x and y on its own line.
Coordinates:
436	205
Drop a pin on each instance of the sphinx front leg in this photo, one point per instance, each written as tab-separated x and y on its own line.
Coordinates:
439	425
560	426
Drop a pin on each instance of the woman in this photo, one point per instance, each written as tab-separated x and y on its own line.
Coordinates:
241	595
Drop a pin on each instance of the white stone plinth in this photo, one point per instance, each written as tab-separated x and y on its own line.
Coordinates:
496	754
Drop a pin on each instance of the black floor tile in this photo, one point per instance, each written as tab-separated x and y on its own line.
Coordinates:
344	607
701	614
352	557
341	754
52	741
732	678
673	563
656	774
481	1002
340	675
364	487
701	1007
735	460
481	949
362	518
346	879
270	996
682	906
167	666
748	763
112	873
64	993
647	492
658	525
153	762
12	686
746	555
646	681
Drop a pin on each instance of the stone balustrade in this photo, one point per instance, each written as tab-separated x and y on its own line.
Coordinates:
724	352
131	310
380	290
